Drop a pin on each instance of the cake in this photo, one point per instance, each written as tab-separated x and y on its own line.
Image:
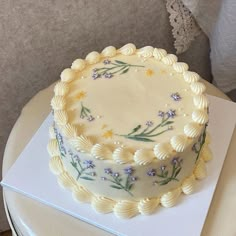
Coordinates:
129	132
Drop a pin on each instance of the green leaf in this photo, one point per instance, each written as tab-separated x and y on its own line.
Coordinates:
139	138
167	123
136	128
120	62
124	71
130	186
164	182
114	186
73	164
120	179
86	178
177	172
166	173
161	176
62	154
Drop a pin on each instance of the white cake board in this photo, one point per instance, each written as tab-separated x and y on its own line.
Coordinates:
30	175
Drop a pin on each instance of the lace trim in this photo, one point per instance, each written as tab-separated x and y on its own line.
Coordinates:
185	28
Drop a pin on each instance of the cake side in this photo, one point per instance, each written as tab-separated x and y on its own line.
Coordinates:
75	171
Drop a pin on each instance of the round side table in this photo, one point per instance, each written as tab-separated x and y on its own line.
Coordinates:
30	217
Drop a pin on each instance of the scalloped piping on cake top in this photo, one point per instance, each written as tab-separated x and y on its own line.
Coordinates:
121	155
124	209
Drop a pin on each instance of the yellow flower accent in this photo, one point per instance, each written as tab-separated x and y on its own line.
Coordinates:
149	72
81	95
108	134
103	126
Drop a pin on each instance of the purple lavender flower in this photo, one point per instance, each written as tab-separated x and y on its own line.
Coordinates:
149	123
108	171
128	170
89	164
133	178
90	118
171	113
106	61
103	178
161	113
116	174
151	172
176	161
176	96
95	75
108	75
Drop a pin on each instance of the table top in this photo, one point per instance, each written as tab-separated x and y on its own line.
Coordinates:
31	217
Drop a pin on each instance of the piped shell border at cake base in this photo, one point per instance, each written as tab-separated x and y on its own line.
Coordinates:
97	150
123	208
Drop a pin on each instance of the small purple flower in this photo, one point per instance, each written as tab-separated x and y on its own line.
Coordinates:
103	178
176	161
108	171
95	75
133	178
128	170
89	164
116	174
149	123
108	75
90	118
171	113
176	96
163	168
161	113
151	172
106	62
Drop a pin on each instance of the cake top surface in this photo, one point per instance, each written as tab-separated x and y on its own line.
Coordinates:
130	104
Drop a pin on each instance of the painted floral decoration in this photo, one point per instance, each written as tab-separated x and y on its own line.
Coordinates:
81	95
83	168
122	182
108	134
197	147
111	68
176	97
60	142
86	113
145	134
149	72
164	176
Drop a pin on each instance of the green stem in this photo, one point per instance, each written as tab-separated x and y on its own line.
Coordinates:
152	130
153	135
122	68
123	187
203	141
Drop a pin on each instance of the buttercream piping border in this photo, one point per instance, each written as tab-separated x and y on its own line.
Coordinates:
177	143
123	208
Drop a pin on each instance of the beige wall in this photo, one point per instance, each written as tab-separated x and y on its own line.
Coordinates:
40	38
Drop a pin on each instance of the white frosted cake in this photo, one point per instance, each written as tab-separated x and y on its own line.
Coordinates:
129	132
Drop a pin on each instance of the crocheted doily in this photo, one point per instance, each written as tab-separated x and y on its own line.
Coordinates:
185	28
